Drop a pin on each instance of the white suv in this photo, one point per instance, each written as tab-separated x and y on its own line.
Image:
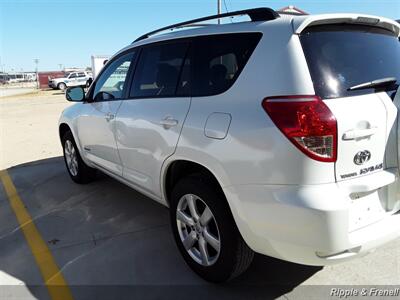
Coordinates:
277	135
71	79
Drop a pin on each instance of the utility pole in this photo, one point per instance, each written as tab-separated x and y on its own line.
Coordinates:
36	61
219	10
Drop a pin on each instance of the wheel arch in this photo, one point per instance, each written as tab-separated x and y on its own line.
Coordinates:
181	168
63	128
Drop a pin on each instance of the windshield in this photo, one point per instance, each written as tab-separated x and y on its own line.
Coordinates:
342	56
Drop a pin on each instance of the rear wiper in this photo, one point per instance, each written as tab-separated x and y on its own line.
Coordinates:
388	83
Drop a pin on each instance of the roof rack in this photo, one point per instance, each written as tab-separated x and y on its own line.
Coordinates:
255	14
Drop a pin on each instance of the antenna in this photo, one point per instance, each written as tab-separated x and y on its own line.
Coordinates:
219	10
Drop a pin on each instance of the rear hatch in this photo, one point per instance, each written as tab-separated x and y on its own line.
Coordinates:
343	60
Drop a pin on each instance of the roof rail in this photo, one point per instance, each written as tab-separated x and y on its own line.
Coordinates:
255	14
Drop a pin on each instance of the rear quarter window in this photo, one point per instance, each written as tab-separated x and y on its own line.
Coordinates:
218	61
341	56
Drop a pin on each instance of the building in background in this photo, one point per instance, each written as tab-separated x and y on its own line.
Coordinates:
14	77
98	62
44	77
74	69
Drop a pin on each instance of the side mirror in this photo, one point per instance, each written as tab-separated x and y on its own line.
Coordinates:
101	96
75	94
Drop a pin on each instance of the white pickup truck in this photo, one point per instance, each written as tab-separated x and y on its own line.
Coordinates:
71	79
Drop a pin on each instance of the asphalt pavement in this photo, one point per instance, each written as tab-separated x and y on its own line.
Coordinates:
108	239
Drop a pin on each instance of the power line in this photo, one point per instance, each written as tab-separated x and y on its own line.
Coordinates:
226	8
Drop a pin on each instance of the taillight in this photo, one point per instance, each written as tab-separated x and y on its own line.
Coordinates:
307	122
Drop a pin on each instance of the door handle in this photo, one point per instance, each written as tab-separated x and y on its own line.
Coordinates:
168	122
109	117
359	133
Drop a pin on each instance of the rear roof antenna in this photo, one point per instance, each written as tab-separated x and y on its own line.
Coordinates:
219	10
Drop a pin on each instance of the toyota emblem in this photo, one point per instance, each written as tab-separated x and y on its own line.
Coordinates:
362	157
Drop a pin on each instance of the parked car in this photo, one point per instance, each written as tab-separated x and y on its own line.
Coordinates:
276	136
71	79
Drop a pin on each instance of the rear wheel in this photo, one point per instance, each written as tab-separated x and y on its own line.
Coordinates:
77	169
62	86
205	232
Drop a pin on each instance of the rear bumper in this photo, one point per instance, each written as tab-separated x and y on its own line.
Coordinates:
318	224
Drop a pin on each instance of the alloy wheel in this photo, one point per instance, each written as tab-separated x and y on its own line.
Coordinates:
71	158
198	230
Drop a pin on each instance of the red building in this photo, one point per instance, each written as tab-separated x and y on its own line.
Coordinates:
44	78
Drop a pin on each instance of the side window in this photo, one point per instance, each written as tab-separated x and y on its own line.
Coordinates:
81	75
219	60
110	85
158	70
73	75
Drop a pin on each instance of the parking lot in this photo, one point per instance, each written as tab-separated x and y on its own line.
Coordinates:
106	239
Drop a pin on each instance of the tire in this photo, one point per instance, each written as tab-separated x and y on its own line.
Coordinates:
62	86
77	169
233	256
88	83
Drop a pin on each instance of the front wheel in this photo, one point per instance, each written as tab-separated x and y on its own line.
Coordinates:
77	169
205	232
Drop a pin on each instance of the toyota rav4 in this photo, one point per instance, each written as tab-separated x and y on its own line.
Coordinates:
277	135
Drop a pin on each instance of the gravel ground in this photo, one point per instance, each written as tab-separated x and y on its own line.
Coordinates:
28	127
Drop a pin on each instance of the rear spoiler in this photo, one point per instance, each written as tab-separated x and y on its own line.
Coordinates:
299	24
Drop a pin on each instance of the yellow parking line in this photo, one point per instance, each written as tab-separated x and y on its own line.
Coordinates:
52	276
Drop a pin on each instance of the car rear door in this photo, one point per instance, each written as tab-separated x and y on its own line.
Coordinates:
149	123
81	79
341	57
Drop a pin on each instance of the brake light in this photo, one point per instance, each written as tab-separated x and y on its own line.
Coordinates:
307	122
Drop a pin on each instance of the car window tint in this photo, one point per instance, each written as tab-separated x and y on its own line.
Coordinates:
81	75
341	56
158	70
219	60
111	82
184	85
73	75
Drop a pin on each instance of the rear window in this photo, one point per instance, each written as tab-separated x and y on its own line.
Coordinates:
219	59
342	56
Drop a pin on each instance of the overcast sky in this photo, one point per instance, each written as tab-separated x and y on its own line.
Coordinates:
69	32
